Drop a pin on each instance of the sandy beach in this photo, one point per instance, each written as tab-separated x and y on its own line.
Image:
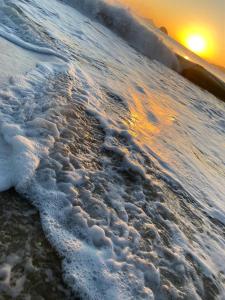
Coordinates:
29	267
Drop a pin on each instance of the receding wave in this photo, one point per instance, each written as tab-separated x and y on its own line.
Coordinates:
112	152
127	26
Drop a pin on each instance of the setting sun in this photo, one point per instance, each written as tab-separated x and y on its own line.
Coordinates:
196	43
199	39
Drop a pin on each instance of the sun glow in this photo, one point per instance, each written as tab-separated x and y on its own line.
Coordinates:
198	39
196	43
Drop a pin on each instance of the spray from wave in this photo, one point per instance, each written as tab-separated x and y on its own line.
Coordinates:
127	26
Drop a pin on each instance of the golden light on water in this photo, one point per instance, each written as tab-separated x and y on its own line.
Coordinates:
183	23
149	118
196	43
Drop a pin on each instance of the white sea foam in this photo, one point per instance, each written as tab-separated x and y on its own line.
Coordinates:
109	148
19	42
18	159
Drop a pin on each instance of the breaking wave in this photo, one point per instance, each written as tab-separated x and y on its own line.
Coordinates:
127	26
112	153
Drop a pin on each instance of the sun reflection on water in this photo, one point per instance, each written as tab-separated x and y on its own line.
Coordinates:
149	118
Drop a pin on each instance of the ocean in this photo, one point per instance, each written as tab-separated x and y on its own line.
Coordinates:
122	157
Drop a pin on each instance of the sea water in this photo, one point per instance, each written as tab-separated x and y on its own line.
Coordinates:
123	157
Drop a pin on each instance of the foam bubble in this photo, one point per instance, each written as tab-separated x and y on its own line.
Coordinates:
18	157
70	143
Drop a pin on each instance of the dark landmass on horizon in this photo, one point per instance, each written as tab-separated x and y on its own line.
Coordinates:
201	77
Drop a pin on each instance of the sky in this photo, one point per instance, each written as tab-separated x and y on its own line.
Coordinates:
185	18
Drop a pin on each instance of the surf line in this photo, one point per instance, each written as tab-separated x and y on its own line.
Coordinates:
27	46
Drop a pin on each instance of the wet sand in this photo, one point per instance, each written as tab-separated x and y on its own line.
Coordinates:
29	267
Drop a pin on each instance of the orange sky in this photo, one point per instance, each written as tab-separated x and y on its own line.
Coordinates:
183	18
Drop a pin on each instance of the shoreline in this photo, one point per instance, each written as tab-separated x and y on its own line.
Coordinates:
29	266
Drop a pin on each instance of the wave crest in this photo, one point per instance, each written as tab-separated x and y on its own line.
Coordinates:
127	26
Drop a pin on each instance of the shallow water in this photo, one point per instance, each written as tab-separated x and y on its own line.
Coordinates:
29	267
116	153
